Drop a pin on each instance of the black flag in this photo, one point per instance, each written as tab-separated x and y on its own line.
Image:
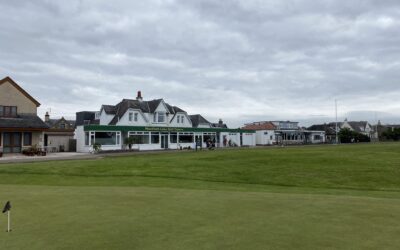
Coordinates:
7	207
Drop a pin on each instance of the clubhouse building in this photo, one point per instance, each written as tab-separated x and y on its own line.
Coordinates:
153	125
284	133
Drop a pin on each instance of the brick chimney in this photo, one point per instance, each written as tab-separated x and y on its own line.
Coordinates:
139	96
47	117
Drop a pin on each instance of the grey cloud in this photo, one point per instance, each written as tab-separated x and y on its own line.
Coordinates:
239	60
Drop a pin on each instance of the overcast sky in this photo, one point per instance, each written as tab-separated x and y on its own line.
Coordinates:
242	60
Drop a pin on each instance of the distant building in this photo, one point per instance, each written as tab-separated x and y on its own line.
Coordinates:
284	132
60	134
153	125
362	127
381	129
328	128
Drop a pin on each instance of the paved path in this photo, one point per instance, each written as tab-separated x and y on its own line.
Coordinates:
19	158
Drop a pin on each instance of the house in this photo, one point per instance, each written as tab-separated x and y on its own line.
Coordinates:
328	128
381	129
362	127
59	137
153	125
284	132
265	132
20	127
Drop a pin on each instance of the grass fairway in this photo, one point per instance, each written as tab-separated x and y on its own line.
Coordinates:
336	197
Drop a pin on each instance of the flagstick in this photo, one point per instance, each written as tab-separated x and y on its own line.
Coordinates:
9	221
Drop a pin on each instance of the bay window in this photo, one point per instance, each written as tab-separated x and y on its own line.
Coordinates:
186	138
140	137
155	138
104	138
173	137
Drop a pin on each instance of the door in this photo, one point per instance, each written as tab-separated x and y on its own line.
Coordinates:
198	139
164	141
12	142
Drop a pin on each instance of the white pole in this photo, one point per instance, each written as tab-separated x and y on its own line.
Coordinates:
336	129
9	221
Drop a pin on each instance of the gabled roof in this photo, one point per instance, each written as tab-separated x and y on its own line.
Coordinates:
53	122
260	126
144	106
358	126
12	82
197	120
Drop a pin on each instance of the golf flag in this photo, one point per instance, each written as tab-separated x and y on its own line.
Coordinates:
7	207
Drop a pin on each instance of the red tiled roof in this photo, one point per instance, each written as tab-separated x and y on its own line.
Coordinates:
260	126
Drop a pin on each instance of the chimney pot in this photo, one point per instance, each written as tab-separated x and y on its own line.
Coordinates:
139	96
47	117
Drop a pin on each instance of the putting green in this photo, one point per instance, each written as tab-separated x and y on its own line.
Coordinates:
345	197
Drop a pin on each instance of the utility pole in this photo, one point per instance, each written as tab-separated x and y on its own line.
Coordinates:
376	127
336	129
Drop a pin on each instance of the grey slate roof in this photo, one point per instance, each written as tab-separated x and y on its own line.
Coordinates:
144	106
220	124
328	128
109	109
197	120
25	121
83	116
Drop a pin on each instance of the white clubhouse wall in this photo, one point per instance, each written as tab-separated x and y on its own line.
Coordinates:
263	137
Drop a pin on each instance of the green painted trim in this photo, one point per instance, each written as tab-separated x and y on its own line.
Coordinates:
161	129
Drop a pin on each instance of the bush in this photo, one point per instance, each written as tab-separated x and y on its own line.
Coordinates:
392	134
348	136
96	147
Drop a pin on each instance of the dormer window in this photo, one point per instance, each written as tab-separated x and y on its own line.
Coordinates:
130	116
8	111
159	117
182	119
136	116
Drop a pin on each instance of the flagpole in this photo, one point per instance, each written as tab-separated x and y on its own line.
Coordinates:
336	129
